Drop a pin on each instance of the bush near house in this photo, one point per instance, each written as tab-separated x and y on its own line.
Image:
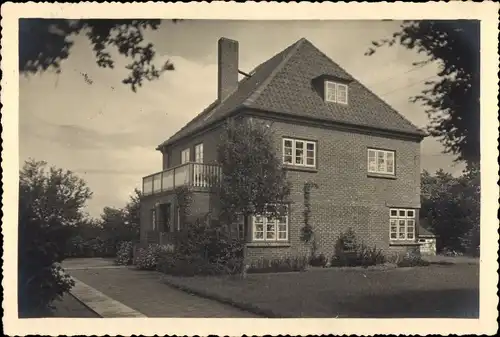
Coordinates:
147	258
412	259
125	253
318	260
287	264
350	253
204	247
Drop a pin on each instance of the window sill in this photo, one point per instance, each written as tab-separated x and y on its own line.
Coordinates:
381	175
268	244
403	243
300	168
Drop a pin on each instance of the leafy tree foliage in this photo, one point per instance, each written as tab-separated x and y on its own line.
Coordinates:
51	205
122	224
452	208
452	100
252	175
45	43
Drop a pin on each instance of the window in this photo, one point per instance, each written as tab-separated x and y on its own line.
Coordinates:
330	92
402	224
153	218
199	170
269	228
381	161
165	161
299	152
198	153
237	228
185	156
342	93
335	92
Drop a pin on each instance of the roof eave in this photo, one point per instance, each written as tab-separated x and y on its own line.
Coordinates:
416	135
171	141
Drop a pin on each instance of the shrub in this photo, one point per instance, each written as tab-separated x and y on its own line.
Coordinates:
147	259
370	256
124	255
203	248
176	264
350	253
280	265
41	289
412	259
318	260
451	252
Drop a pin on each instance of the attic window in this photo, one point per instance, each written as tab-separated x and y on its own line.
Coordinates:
335	92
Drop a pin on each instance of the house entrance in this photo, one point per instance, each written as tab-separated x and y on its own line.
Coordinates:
165	218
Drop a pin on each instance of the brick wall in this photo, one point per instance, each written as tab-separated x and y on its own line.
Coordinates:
210	139
347	196
202	203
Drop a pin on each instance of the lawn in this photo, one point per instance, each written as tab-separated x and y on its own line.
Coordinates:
447	291
66	307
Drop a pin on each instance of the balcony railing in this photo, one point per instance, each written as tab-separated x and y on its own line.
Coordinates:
189	174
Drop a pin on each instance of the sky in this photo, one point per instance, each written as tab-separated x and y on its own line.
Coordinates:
107	134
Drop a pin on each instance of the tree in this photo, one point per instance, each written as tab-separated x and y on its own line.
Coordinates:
45	43
50	207
451	206
470	183
452	101
253	179
122	224
133	212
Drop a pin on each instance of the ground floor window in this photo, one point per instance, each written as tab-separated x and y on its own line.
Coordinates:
238	228
270	228
402	224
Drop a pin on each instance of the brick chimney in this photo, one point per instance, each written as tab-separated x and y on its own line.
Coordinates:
228	68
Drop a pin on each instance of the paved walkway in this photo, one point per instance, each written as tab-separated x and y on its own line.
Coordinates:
142	292
70	307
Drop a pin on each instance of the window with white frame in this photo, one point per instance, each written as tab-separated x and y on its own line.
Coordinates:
299	152
402	224
336	92
198	153
185	156
381	161
270	228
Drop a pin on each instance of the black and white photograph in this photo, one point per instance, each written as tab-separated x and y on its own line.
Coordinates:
259	169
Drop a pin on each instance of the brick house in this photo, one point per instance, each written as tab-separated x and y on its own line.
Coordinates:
330	129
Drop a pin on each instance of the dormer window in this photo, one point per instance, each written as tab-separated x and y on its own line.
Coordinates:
335	92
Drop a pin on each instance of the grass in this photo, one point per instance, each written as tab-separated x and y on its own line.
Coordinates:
66	307
446	291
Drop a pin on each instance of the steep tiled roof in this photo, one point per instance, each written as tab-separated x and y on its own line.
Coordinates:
284	84
246	87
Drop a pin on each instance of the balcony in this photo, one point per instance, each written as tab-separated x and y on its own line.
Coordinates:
202	176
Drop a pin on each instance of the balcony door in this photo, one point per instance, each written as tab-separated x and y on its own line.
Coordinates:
185	154
198	169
